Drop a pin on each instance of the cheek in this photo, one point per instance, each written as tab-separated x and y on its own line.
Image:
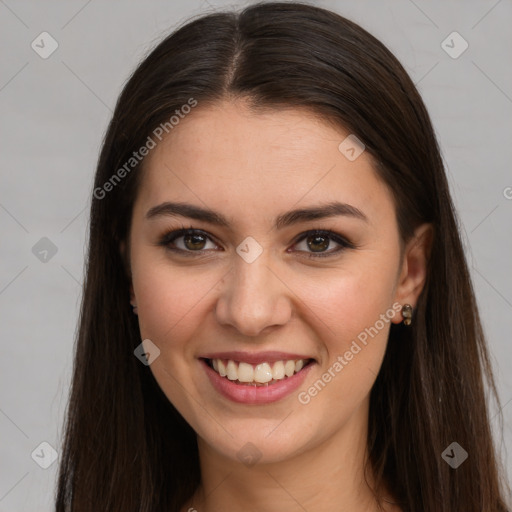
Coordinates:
348	302
347	375
171	314
170	301
357	309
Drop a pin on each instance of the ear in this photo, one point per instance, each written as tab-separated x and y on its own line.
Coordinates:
413	272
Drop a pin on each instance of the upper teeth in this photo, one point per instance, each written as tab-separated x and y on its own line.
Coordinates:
260	373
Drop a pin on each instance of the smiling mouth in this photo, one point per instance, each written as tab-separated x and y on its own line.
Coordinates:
257	375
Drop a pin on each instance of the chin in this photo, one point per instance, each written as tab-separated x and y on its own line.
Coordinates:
258	441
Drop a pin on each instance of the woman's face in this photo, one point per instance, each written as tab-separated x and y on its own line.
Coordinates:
259	290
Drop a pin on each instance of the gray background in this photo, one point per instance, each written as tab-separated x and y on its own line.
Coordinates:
54	113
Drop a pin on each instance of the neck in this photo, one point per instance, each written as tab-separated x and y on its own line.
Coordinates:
326	476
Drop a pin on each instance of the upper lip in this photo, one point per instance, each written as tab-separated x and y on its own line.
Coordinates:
255	357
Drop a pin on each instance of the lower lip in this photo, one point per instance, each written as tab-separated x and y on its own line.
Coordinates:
248	394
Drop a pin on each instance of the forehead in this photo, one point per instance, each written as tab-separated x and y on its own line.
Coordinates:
226	156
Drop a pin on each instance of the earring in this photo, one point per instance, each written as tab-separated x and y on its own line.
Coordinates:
407	314
134	308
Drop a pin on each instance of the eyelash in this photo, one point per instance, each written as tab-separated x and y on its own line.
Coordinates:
171	236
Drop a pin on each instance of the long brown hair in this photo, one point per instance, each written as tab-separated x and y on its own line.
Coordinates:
126	448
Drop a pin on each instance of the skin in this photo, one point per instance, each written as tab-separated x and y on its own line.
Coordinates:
251	168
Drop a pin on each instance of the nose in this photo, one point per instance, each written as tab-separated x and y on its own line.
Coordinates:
253	299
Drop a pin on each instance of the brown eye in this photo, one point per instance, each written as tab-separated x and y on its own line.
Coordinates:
318	243
315	243
187	241
194	241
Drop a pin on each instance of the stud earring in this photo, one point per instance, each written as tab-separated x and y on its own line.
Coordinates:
407	314
134	308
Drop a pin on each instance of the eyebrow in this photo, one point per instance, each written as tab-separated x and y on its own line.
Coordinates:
332	209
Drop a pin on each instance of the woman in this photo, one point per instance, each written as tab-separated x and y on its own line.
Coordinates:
303	333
